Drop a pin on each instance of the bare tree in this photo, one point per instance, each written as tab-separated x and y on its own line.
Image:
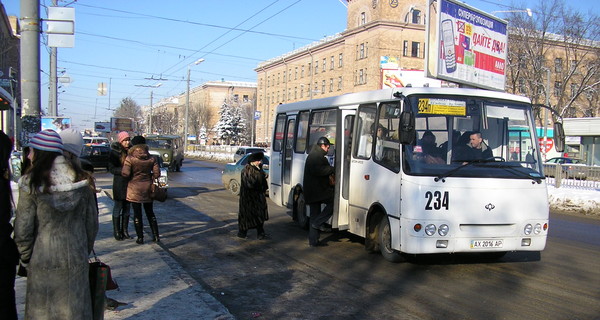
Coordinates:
128	108
199	117
554	55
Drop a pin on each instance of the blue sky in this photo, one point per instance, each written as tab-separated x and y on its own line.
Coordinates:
125	42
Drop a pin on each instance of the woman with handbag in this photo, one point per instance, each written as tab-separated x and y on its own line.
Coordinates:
141	169
55	227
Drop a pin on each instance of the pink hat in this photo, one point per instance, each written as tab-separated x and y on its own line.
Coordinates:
122	136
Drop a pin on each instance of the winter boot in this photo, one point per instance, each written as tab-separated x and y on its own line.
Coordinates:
125	227
117	228
154	228
139	230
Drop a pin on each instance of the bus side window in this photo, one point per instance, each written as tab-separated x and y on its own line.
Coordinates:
365	121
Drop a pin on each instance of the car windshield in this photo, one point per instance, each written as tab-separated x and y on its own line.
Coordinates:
159	143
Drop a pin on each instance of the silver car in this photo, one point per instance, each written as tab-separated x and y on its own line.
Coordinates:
231	175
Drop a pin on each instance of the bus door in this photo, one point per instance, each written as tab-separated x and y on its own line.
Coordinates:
287	157
344	151
276	162
360	168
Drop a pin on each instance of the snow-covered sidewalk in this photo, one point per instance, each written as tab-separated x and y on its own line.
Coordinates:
584	201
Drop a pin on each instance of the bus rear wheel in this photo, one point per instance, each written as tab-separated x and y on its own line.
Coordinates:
385	242
300	207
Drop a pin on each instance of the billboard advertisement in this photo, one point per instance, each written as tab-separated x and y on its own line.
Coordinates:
102	127
121	124
394	77
57	124
470	46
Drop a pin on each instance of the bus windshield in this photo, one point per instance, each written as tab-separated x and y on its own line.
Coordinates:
472	137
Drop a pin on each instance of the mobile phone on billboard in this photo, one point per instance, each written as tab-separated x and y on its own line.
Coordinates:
449	50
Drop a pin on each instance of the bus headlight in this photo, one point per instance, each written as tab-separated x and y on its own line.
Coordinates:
443	230
528	229
430	229
537	229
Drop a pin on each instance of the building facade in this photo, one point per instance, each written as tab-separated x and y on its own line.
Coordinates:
10	113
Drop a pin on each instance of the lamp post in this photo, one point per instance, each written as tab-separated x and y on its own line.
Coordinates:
187	105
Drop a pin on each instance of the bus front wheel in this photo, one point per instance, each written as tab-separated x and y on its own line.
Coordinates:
301	216
385	242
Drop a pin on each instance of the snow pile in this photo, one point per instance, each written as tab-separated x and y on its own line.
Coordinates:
572	200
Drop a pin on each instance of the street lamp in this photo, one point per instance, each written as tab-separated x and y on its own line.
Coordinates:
187	105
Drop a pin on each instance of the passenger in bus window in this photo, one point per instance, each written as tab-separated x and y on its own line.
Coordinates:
432	154
380	138
318	190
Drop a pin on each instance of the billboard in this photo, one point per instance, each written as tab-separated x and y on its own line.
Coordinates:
394	77
467	46
57	124
121	124
102	127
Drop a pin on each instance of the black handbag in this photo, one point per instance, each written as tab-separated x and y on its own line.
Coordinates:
158	193
100	281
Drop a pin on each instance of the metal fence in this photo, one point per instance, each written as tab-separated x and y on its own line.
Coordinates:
572	176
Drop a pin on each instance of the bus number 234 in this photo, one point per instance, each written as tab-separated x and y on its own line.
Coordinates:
436	200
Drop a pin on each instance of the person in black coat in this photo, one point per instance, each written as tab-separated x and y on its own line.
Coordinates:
117	156
9	255
317	188
253	211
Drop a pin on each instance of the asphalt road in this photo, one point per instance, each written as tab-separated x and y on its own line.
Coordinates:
283	278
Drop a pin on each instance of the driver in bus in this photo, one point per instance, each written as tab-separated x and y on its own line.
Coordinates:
476	149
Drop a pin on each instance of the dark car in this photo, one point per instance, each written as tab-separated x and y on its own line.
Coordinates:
571	168
232	173
97	155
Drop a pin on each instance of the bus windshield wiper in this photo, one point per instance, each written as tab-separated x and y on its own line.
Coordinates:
503	164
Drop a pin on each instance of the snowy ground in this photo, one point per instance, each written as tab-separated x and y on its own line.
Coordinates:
566	199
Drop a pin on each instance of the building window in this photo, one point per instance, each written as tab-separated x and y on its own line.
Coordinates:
284	77
301	91
361	54
414	52
361	76
558	65
331	85
416	16
296	73
268	81
316	90
323	87
245	98
363	18
573	66
557	88
278	77
324	64
405	48
316	67
341	60
309	69
295	93
332	64
302	72
522	87
236	97
289	95
574	88
340	83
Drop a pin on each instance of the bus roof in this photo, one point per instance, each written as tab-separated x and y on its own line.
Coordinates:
388	94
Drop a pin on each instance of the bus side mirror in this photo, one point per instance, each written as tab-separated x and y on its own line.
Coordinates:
559	137
408	134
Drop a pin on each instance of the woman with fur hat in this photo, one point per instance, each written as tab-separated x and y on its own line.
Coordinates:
55	227
116	158
253	211
141	169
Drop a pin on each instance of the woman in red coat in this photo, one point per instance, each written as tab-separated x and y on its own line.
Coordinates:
141	169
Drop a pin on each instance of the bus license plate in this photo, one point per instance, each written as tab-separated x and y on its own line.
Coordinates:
484	244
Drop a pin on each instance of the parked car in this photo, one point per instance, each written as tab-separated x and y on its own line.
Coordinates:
242	151
97	155
571	168
96	141
231	175
170	149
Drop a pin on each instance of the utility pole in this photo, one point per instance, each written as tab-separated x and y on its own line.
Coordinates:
30	69
187	106
150	127
53	94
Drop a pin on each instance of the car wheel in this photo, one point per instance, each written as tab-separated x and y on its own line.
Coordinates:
300	208
385	242
234	187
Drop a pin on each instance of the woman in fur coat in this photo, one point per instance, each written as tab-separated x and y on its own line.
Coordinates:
116	158
253	210
55	227
141	169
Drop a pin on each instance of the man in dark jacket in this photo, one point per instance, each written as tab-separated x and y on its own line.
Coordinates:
317	189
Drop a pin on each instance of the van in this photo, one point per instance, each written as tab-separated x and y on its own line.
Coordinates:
96	141
170	148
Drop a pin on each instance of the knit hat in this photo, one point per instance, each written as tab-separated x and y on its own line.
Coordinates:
138	140
122	136
72	141
47	140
